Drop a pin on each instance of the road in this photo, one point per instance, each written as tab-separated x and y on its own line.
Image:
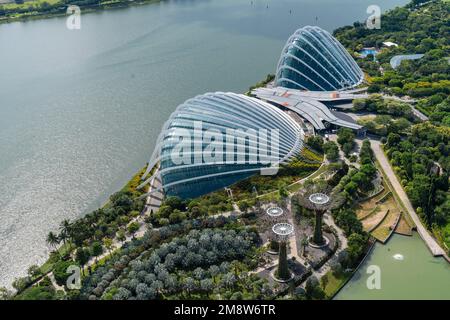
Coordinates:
435	249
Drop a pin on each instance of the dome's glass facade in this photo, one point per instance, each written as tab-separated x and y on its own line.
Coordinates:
234	122
313	59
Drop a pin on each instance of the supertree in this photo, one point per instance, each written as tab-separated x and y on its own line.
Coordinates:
272	214
320	198
282	231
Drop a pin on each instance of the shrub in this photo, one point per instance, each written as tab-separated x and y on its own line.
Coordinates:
96	249
60	271
133	227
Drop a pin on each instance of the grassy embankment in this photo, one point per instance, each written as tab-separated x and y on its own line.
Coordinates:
43	9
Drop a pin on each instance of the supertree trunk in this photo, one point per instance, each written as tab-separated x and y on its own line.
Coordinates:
318	238
283	270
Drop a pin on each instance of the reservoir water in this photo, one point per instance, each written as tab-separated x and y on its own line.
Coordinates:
80	109
407	270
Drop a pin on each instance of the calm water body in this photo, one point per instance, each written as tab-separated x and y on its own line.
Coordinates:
80	110
408	271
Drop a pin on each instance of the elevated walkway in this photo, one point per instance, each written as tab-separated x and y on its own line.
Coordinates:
308	107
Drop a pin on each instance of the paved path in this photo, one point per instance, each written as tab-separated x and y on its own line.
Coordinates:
293	237
419	114
435	249
406	100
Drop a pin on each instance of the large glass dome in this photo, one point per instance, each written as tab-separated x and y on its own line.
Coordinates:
219	114
313	59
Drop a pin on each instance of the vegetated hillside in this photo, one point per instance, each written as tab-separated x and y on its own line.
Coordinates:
424	30
422	163
419	153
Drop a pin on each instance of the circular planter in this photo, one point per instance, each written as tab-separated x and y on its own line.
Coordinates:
318	246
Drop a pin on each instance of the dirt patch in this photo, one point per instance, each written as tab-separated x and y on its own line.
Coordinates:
403	227
366	208
373	219
383	231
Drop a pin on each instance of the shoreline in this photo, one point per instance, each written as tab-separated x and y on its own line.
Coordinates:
364	258
122	4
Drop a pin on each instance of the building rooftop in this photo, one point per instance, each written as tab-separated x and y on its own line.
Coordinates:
310	109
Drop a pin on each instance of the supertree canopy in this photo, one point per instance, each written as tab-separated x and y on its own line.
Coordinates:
283	231
319	197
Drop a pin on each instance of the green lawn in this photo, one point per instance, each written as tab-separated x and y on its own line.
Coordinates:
334	283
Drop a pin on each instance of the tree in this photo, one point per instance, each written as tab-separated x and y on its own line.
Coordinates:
65	230
82	256
21	283
52	240
143	292
347	148
331	151
206	285
347	220
199	273
243	205
34	271
5	294
366	154
189	285
60	271
214	271
346	138
356	245
228	280
283	192
108	243
393	139
121	235
316	142
133	227
236	296
96	248
312	288
351	188
418	191
336	268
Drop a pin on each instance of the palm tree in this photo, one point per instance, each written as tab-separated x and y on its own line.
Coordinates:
53	240
91	220
65	229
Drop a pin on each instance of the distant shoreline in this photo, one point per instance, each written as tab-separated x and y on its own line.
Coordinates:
61	11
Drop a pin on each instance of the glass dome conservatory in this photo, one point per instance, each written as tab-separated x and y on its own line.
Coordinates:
313	59
216	139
